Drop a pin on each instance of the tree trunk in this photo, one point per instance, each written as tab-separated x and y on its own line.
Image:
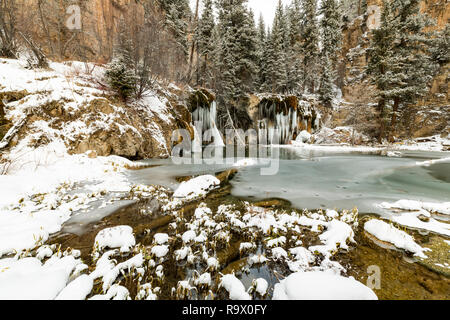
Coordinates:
2	113
394	119
381	107
191	56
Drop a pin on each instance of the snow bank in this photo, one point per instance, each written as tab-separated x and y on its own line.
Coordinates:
78	289
398	238
332	148
414	209
413	205
433	143
116	292
35	203
261	286
161	238
321	286
411	219
29	279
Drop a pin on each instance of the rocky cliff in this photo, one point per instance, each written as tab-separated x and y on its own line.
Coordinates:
431	114
54	26
65	109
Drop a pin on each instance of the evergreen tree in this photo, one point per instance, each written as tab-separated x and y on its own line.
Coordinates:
331	37
178	14
268	68
326	91
310	45
119	73
352	9
294	48
260	54
237	54
277	81
205	41
440	50
400	62
380	54
248	53
331	33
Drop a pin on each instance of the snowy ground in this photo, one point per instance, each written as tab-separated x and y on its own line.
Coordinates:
434	143
66	104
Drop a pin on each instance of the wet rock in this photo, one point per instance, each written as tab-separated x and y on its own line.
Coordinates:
229	253
235	266
423	218
225	176
271	203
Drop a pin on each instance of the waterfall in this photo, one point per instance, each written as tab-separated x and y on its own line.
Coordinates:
207	116
286	115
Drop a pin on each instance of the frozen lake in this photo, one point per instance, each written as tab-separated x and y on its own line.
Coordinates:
326	179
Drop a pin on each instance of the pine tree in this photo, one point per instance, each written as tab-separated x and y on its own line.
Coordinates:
352	9
260	53
178	13
268	67
326	91
120	72
380	54
237	54
277	81
310	45
440	50
294	49
248	55
205	40
331	37
331	33
400	62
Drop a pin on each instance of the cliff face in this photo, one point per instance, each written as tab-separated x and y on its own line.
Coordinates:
356	40
357	90
47	22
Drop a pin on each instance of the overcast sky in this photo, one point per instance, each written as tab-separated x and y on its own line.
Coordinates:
266	7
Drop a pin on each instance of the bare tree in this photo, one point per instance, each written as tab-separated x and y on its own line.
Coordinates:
8	31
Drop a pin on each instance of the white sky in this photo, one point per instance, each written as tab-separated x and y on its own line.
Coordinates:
266	7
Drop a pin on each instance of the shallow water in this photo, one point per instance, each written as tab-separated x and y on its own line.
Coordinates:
325	179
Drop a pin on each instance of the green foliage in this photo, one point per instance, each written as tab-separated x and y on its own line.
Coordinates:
326	91
236	69
331	29
400	63
440	51
310	45
178	14
120	72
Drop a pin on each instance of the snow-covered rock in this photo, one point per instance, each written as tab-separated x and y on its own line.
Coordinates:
303	137
398	238
196	187
117	237
234	287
